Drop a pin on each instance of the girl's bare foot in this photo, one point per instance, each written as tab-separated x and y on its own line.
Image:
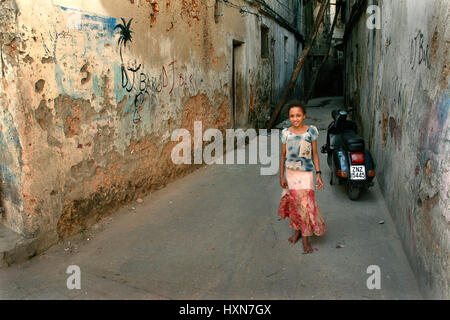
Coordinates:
306	245
295	236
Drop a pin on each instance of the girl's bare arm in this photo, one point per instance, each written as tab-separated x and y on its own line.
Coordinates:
283	157
317	165
315	155
283	182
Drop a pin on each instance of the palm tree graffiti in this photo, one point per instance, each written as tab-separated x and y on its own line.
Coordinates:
125	36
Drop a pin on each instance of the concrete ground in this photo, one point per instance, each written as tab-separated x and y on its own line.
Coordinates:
215	234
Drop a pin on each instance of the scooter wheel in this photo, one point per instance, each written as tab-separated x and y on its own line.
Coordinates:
353	192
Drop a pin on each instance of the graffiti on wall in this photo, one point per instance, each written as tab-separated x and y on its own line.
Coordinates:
80	27
11	162
438	118
143	86
129	83
419	51
125	35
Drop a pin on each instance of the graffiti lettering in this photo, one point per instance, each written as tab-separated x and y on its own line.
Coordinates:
126	83
173	75
183	81
141	84
419	51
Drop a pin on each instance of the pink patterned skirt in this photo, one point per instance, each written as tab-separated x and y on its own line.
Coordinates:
299	204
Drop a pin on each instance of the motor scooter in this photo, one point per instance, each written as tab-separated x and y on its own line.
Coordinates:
350	162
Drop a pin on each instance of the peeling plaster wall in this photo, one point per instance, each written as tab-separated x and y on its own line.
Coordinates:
11	156
278	69
91	92
400	87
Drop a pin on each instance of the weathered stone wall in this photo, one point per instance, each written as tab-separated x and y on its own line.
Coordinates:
11	155
91	92
285	48
397	77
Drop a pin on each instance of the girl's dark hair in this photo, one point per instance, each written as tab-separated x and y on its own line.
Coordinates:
297	103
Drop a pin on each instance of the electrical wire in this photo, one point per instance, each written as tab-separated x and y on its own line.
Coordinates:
287	9
205	2
243	10
283	5
267	10
273	12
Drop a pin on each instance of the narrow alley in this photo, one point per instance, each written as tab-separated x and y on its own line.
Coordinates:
113	119
215	234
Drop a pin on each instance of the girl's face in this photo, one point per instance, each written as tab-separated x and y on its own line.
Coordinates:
296	116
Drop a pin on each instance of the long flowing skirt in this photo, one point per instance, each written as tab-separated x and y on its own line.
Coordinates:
298	203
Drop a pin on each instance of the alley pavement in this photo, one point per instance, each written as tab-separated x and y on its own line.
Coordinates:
215	234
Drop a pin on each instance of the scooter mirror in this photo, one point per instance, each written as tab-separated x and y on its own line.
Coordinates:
340	119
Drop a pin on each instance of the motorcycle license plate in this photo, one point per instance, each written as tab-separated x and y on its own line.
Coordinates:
357	173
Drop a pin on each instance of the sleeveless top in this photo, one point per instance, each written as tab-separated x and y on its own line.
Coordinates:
299	148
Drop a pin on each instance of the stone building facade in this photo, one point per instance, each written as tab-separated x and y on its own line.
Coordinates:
396	75
91	91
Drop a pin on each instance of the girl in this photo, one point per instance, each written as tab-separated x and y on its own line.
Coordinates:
298	158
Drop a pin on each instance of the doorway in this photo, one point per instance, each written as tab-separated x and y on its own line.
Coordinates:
239	85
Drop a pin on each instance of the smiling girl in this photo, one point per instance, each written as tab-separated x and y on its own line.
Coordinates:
299	157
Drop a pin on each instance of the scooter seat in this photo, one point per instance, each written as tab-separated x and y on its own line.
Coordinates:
351	142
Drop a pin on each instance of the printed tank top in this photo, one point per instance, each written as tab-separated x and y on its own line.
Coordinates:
299	148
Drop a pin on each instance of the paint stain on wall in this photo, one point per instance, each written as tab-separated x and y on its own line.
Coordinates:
39	85
437	121
191	10
155	10
384	126
395	131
